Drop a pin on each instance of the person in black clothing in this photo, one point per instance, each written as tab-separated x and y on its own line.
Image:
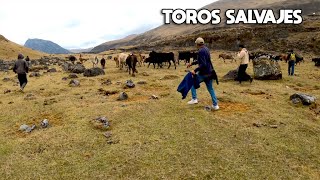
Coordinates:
21	68
103	63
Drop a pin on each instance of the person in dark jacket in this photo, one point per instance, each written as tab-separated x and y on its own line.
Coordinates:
203	71
103	62
187	83
21	68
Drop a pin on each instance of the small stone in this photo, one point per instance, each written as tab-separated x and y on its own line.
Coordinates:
11	102
145	74
154	97
6	79
30	97
7	91
74	83
107	82
123	105
123	96
118	83
73	75
208	108
44	123
107	134
52	70
273	126
23	127
64	78
130	84
256	124
142	82
41	89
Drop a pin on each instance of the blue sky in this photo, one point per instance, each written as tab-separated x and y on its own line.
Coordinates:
83	24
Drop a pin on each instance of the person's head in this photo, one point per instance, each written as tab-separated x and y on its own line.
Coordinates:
241	46
20	56
199	42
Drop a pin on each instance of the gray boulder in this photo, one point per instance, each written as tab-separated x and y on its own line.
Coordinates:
93	72
305	99
231	75
73	75
130	84
265	69
73	68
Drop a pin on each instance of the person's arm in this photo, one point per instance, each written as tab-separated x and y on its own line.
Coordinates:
15	68
26	67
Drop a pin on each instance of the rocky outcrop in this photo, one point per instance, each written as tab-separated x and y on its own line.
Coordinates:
265	69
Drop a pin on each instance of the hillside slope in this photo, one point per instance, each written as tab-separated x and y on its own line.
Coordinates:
10	50
45	46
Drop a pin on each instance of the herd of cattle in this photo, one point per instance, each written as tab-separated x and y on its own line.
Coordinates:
130	60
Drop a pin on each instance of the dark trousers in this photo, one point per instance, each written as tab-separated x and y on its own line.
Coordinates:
242	75
22	80
291	68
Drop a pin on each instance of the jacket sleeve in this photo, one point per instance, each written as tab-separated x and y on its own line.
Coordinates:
27	67
201	62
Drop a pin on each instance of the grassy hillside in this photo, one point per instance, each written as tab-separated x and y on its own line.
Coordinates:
165	138
10	50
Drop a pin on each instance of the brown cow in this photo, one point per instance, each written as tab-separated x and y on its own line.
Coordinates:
226	56
131	61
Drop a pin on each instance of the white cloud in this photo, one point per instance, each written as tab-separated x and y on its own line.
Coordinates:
73	24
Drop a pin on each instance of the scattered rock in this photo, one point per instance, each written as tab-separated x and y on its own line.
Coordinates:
101	123
142	82
257	125
130	84
113	142
231	75
44	123
273	126
49	101
26	128
6	79
11	102
169	77
265	69
73	68
93	72
123	96
73	75
52	70
145	74
107	82
208	108
41	89
7	91
305	99
118	83
35	74
154	97
107	93
64	78
107	134
74	83
124	105
30	97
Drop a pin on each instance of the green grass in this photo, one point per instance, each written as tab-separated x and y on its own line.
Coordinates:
165	138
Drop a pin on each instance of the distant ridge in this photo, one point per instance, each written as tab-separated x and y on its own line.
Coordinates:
45	46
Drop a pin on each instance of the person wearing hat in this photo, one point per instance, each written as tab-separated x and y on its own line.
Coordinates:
21	68
243	55
203	71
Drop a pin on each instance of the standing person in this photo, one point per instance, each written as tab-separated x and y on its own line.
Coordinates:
28	61
203	72
21	68
103	63
243	55
291	62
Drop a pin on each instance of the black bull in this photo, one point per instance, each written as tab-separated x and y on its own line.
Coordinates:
159	58
131	61
187	55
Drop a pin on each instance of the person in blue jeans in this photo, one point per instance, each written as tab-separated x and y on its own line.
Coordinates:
292	59
203	71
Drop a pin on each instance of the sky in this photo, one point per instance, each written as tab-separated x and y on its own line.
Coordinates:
77	24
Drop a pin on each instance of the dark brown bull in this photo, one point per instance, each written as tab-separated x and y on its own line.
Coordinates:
131	61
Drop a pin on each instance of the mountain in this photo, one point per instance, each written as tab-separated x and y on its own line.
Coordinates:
183	35
80	50
113	44
45	46
10	50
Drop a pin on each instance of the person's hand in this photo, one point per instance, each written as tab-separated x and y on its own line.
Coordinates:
192	72
188	65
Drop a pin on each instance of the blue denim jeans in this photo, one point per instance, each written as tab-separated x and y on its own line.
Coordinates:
209	88
291	68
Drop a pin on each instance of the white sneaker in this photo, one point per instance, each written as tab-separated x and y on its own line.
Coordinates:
215	107
193	101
